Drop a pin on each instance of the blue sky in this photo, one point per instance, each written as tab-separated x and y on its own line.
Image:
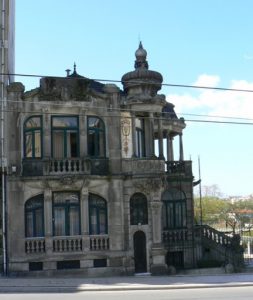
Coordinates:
189	41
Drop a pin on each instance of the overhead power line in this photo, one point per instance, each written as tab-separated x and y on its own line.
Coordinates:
132	81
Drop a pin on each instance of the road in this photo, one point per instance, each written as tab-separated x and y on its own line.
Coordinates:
220	293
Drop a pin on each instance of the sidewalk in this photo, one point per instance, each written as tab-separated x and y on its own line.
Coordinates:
123	283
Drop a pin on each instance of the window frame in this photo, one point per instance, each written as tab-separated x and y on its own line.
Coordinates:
67	206
97	131
177	204
138	210
33	211
33	130
65	131
98	210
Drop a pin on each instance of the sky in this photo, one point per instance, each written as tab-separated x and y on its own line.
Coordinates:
190	42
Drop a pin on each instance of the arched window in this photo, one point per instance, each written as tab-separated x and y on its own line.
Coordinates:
66	213
65	136
138	209
33	137
97	215
34	216
96	137
174	209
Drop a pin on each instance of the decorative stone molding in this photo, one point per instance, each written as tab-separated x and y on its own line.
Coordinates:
147	186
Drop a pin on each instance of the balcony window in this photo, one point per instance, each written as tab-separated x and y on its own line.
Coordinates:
33	137
138	209
140	137
66	213
65	137
174	209
96	137
34	217
97	215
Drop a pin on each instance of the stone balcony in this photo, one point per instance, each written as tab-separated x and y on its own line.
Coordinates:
179	168
142	166
67	244
65	166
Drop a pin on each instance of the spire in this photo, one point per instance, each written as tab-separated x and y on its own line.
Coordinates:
74	74
141	55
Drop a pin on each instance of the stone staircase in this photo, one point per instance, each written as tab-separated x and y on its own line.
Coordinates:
220	247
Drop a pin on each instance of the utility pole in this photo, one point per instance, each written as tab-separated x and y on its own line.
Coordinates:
200	194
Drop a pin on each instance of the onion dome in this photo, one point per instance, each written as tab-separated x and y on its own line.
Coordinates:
142	80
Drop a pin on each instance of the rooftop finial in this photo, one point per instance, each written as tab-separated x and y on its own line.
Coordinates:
141	55
74	68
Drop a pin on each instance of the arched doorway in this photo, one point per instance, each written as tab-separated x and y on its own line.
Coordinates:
140	255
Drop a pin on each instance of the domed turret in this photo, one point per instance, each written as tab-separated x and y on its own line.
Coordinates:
142	81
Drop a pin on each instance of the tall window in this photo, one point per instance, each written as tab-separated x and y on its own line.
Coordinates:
140	137
96	137
174	209
34	217
138	209
66	213
33	137
65	137
97	215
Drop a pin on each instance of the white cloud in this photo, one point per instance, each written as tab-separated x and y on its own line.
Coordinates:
216	102
207	80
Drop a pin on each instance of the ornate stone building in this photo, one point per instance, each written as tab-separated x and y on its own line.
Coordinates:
93	187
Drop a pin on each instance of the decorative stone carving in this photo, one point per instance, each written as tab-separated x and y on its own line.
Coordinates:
148	185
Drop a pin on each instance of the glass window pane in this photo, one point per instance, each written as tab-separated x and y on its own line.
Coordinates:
94	122
102	222
74	223
37	144
91	143
59	221
33	122
58	144
101	144
29	224
39	222
28	144
65	122
93	220
72	144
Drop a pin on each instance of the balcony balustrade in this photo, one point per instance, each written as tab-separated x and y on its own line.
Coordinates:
65	166
175	168
99	242
67	244
35	245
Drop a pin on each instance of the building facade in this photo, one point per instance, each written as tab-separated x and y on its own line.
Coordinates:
93	186
7	32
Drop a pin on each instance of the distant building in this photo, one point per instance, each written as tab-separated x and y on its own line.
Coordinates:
87	192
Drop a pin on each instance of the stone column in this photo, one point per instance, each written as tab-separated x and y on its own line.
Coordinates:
158	265
151	123
46	140
83	134
84	214
156	209
48	220
181	149
170	154
160	135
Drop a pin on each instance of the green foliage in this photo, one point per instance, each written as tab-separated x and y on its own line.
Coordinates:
222	213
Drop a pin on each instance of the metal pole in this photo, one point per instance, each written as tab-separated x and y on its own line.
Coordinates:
200	195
